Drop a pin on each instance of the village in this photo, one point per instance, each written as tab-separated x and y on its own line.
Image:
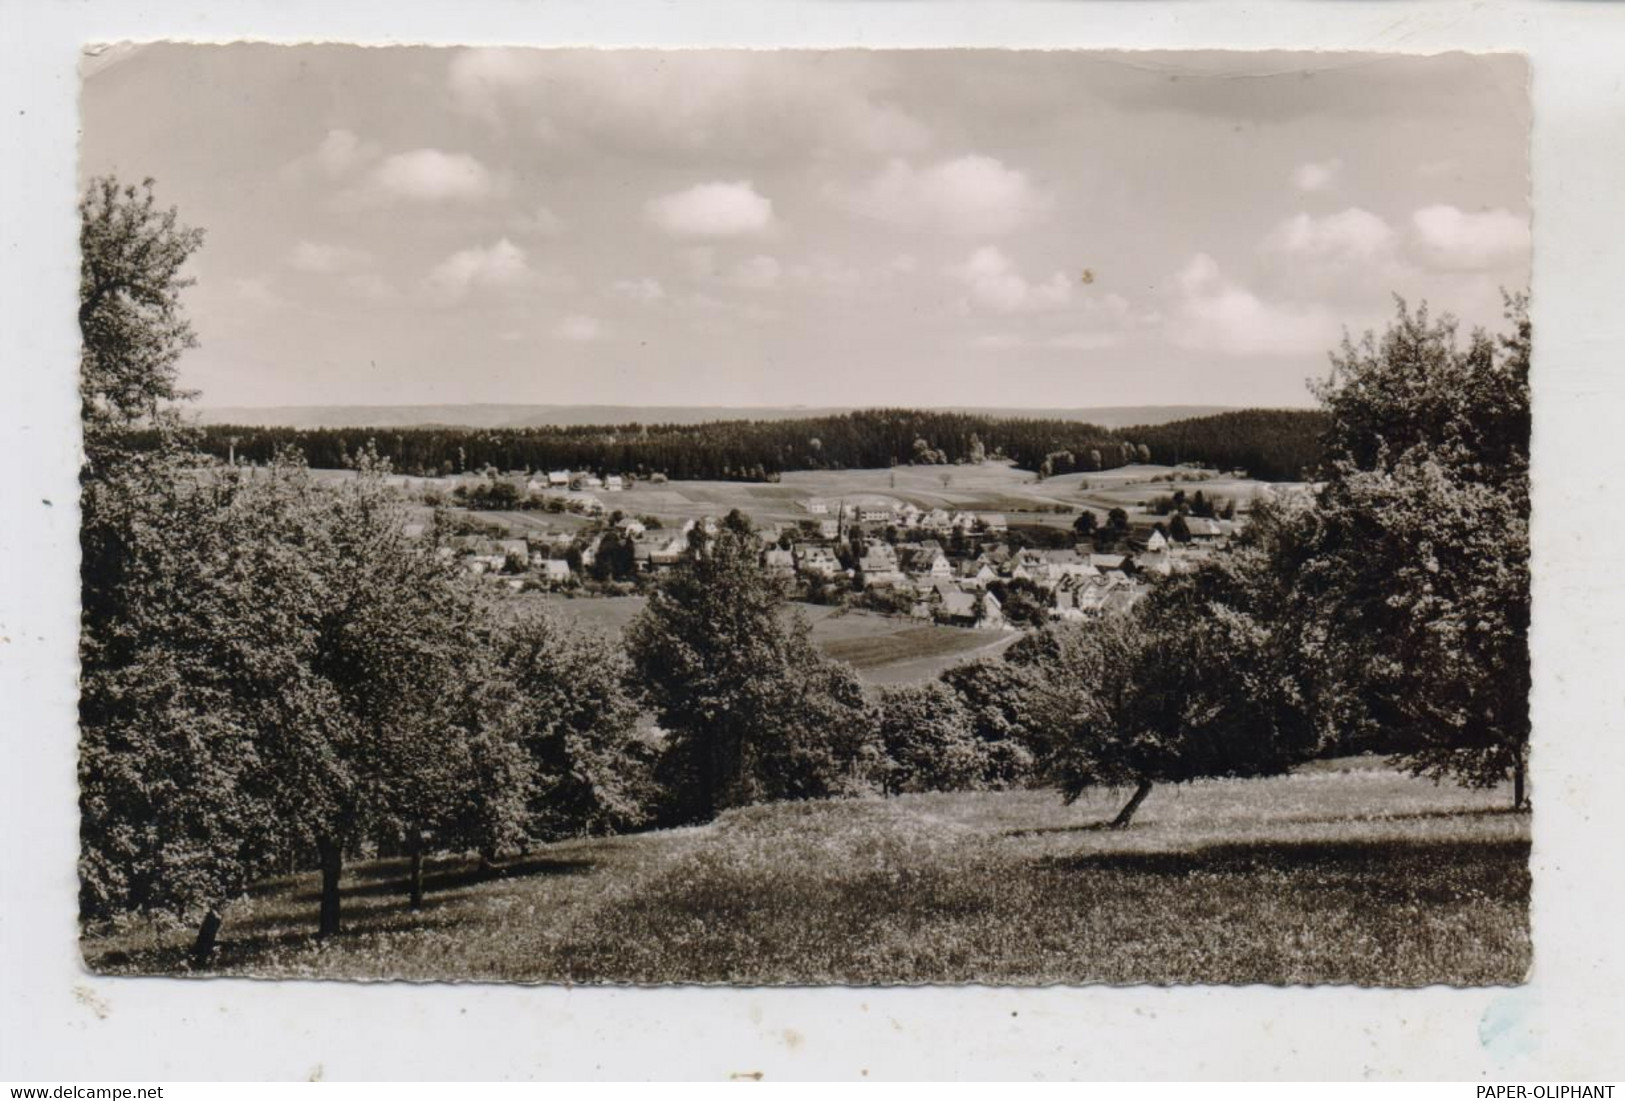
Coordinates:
952	567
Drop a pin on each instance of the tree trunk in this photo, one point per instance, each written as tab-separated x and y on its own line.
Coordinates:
332	857
1518	802
203	947
415	879
1126	815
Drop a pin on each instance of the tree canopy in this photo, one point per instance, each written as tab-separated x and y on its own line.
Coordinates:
132	325
753	711
1420	552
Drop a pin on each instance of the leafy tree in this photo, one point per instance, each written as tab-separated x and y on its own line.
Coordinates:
993	693
131	321
192	694
1025	604
1084	525
751	709
616	558
1178	530
271	668
1201	679
569	711
928	739
1422	553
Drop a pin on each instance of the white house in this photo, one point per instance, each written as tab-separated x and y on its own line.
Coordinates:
558	478
614	484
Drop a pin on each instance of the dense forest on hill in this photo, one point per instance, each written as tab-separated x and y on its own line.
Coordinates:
1267	444
1276	445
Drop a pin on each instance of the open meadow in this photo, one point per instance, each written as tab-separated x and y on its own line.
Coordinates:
993	486
884	649
1343	873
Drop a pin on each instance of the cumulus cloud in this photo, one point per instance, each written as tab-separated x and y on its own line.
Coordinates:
325	259
1354	235
1316	175
500	266
995	284
1456	240
432	176
1216	314
972	196
712	210
639	290
579	328
338	154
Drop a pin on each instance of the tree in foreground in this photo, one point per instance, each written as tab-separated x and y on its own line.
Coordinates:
1422	552
751	710
1199	680
272	669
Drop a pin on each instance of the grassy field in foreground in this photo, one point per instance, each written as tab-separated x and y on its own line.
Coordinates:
1332	876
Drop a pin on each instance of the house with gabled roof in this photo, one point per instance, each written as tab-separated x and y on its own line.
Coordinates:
816	560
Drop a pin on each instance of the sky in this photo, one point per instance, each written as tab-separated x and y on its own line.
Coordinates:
829	228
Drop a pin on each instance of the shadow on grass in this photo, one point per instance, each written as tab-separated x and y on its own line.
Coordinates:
1104	824
372	881
1386	870
375	900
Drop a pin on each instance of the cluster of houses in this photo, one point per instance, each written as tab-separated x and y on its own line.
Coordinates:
575	481
906	517
938	586
953	583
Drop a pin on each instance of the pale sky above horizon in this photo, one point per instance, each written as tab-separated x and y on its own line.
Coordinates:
926	228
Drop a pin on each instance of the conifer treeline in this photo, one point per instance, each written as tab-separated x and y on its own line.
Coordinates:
1275	445
1269	444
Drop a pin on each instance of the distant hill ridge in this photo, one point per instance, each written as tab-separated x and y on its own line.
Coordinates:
538	416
